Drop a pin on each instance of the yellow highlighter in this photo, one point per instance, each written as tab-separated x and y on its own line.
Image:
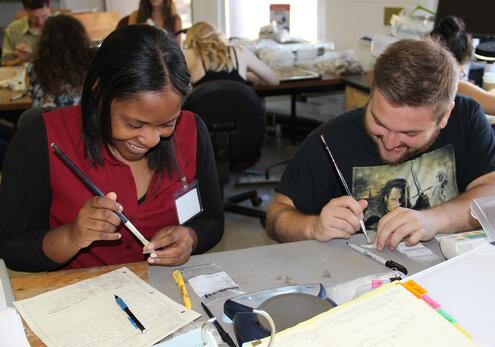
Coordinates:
182	287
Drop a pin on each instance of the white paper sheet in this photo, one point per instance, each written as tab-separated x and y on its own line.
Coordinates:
418	253
11	329
86	314
210	284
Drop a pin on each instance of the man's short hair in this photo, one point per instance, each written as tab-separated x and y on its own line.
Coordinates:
35	4
417	73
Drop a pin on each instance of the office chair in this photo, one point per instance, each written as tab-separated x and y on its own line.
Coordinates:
235	119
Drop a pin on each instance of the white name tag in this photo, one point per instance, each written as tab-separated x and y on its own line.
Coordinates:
188	202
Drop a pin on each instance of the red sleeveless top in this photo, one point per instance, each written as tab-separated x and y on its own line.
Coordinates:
63	127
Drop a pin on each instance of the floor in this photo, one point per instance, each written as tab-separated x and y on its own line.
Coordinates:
241	231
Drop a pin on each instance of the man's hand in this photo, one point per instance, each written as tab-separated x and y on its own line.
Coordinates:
171	245
339	219
403	223
96	220
23	52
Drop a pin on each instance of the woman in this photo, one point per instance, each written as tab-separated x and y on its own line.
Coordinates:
160	13
130	137
60	63
452	32
210	58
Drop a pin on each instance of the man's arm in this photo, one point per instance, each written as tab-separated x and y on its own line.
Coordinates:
9	57
338	219
449	217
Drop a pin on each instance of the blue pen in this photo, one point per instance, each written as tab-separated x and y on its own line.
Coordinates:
131	315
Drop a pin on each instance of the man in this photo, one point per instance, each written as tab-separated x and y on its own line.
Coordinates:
413	126
22	35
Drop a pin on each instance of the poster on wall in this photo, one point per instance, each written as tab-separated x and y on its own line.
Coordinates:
280	14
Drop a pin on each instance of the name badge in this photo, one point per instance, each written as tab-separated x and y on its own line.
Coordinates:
187	201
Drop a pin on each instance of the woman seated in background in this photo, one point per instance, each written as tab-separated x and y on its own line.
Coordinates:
452	32
209	58
131	138
62	57
159	13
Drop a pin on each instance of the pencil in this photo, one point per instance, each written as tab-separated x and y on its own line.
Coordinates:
342	180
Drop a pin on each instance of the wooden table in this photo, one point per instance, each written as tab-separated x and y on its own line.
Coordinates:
6	104
18	105
31	285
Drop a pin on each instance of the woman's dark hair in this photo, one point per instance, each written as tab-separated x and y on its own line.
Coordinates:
451	31
63	54
132	60
168	12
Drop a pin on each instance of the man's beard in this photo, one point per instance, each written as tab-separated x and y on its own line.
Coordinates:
408	155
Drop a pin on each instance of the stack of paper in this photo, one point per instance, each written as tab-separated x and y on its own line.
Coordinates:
86	314
388	316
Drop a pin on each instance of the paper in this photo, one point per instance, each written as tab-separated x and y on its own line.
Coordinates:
211	284
389	316
418	253
86	314
11	329
3	299
464	286
192	338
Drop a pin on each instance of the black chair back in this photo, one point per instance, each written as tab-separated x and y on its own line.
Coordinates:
226	102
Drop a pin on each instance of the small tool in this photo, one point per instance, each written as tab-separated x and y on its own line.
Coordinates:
95	190
342	180
388	263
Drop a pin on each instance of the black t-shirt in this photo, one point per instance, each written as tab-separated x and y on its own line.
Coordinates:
463	151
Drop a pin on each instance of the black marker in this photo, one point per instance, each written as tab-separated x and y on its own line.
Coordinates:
388	263
223	334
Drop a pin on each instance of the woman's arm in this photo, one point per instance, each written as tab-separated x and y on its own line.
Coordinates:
484	98
26	241
209	226
262	72
25	200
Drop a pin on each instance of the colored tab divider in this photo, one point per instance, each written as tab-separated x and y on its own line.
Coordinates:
414	288
420	293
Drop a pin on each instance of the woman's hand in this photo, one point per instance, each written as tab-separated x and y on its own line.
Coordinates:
171	245
96	220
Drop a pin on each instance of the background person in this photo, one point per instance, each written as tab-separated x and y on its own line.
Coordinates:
22	35
60	64
210	58
413	117
160	13
132	140
452	32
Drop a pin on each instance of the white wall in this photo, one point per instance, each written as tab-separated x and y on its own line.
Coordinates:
346	21
123	7
248	16
84	5
212	11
